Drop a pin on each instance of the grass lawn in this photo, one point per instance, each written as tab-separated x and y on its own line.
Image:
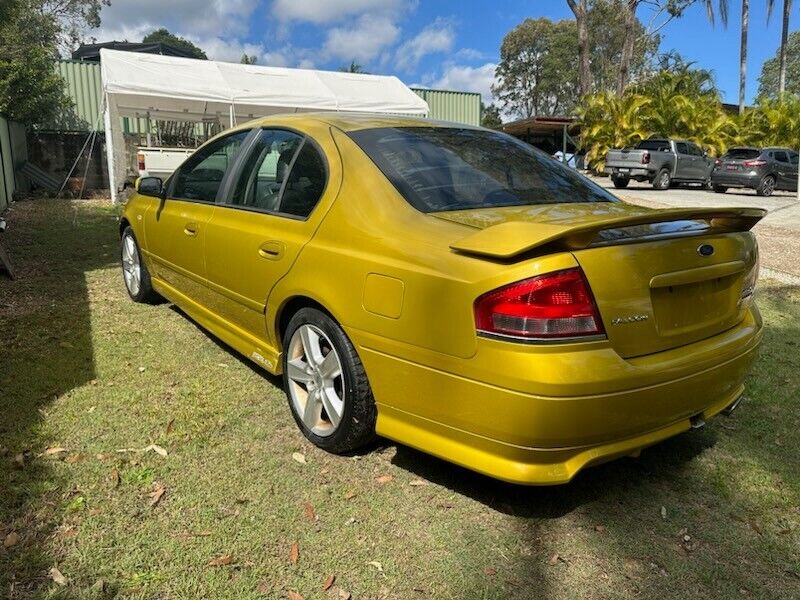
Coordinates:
221	507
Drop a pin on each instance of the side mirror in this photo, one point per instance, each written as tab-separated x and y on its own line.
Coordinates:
150	186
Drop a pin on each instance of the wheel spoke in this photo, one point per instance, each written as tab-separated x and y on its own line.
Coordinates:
296	371
311	349
312	410
333	405
330	368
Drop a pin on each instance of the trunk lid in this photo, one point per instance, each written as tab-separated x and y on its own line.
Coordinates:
627	158
661	278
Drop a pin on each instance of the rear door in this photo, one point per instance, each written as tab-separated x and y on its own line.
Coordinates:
700	164
262	224
783	169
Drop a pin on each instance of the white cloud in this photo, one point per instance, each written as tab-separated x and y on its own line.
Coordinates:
469	54
438	37
329	11
363	41
230	50
467	79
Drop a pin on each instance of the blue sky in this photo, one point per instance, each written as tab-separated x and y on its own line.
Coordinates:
447	43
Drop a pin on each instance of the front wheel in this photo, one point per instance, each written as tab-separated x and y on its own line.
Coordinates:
326	385
662	180
767	186
134	271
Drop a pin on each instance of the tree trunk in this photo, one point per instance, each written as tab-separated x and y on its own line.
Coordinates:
580	9
787	8
627	46
743	54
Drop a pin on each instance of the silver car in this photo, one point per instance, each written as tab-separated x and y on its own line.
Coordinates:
763	170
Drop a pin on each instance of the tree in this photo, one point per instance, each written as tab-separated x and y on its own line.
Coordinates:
580	9
787	9
71	17
30	90
536	74
248	60
769	80
163	36
490	116
629	12
353	67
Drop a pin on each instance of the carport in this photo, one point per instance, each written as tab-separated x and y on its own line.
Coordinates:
152	86
546	133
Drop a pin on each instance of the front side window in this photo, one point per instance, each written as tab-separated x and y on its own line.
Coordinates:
695	150
682	148
200	177
449	168
780	156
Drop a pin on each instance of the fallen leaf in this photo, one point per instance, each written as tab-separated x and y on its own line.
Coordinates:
157	449
114	477
11	539
66	345
53	451
56	576
170	426
328	583
294	553
417	482
490	571
554	559
301	458
141	369
295	596
345	595
220	561
350	494
324	471
102	456
599	528
383	479
377	565
309	510
156	495
264	587
19	460
756	527
74	458
663	512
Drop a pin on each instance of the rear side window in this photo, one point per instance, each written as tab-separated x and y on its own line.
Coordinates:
780	156
200	177
449	168
793	158
742	154
304	183
654	145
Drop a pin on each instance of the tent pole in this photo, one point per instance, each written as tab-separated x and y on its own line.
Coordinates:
112	180
147	127
231	115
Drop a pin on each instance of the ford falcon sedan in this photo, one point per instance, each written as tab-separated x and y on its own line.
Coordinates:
451	288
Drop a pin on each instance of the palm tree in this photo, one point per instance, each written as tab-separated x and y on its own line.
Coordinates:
787	8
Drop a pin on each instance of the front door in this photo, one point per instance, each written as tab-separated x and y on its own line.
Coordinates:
259	229
684	166
176	226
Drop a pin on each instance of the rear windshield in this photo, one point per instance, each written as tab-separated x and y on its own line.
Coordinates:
449	168
654	145
742	153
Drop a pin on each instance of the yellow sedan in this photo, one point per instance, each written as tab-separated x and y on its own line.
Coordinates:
451	288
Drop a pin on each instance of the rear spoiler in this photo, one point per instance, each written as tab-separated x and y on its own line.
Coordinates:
509	239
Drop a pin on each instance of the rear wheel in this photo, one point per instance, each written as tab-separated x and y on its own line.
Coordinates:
325	383
662	180
620	182
720	189
134	271
767	186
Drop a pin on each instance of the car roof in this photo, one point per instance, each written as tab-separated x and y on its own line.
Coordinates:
350	121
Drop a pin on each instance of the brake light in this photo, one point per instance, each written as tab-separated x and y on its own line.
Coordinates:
718	162
645	158
749	285
754	163
552	306
140	161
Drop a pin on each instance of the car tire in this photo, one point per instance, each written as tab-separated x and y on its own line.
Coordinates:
342	416
767	186
662	180
134	270
620	182
720	189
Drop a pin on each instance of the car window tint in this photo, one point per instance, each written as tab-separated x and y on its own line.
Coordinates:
742	154
654	145
780	156
304	183
793	158
451	168
262	177
201	175
682	149
695	150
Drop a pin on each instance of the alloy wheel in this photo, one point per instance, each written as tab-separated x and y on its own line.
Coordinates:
131	267
768	186
316	383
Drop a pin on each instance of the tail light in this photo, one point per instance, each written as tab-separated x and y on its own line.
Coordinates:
754	163
749	285
140	161
552	306
645	158
718	162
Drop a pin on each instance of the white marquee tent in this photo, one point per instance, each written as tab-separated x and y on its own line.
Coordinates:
185	89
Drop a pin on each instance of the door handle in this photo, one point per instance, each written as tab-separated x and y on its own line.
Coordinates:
190	229
272	250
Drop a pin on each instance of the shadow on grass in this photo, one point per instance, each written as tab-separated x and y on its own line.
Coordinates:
45	352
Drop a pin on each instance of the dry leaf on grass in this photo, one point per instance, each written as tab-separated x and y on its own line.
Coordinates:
377	565
170	426
56	576
115	478
294	553
328	583
295	596
599	528
383	479
417	482
350	494
54	451
663	512
156	495
11	539
220	561
554	559
299	457
490	571
263	587
157	449
309	510
19	460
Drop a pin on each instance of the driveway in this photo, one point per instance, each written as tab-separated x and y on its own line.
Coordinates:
778	233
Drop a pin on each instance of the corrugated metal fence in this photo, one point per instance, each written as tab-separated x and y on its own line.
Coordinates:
13	153
448	105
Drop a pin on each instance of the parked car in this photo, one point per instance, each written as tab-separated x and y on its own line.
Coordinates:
763	170
451	288
660	162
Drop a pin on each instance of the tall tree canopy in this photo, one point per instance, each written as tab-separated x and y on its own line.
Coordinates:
769	81
164	36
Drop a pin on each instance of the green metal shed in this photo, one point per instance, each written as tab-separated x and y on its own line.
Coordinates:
449	105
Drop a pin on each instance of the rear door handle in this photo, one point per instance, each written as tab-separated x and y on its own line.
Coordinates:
190	229
271	250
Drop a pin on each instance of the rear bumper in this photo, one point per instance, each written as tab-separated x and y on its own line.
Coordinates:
529	438
742	180
632	172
